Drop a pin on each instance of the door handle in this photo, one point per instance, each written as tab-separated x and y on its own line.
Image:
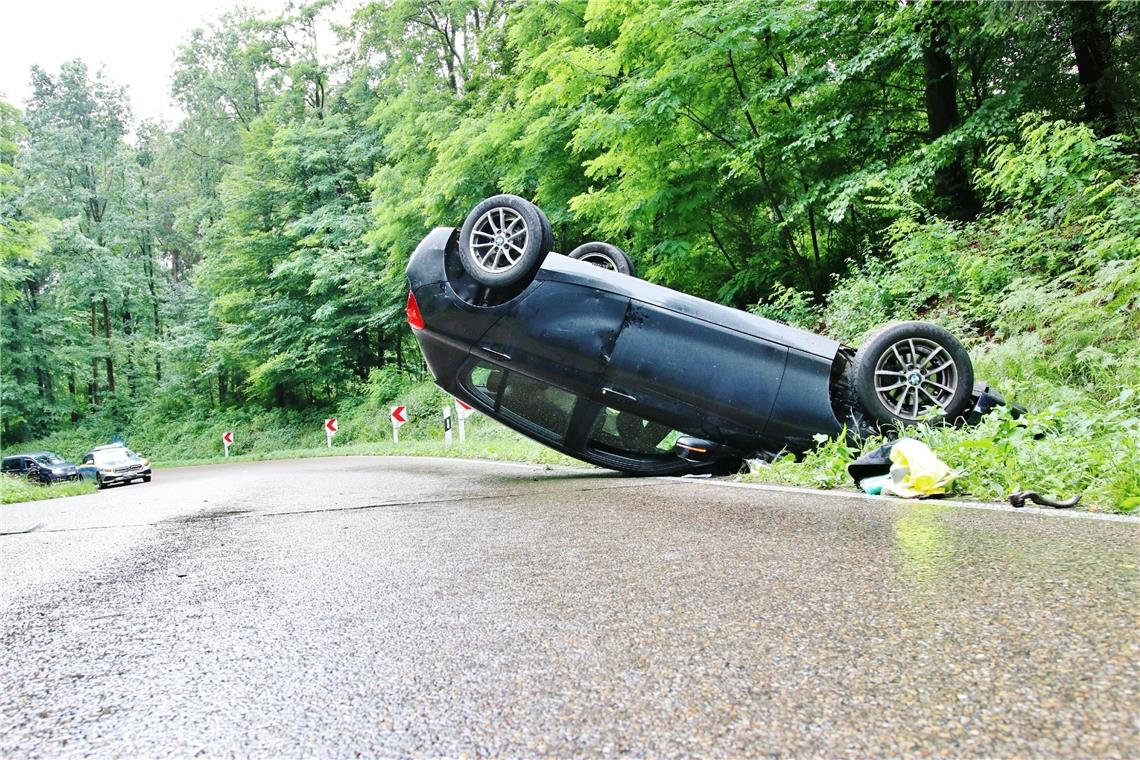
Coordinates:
612	392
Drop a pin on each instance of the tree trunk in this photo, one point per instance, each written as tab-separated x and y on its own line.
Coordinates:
93	386
107	336
951	182
157	320
71	393
1091	44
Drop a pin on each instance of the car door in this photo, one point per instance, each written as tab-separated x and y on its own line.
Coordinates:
561	333
87	467
693	375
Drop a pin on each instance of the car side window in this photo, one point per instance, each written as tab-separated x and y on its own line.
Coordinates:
626	434
541	405
487	380
11	465
89	459
544	408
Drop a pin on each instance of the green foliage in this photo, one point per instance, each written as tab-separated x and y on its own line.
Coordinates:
823	467
1048	289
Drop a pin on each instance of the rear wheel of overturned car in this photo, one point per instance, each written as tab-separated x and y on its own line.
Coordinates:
908	370
503	242
604	255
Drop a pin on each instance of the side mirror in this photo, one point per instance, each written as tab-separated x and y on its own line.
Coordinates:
698	450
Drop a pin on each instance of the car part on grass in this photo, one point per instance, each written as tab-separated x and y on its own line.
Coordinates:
503	241
909	370
604	255
1017	499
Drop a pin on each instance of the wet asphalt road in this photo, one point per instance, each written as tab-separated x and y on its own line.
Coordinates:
398	607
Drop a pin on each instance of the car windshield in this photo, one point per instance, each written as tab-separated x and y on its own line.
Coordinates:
49	459
112	456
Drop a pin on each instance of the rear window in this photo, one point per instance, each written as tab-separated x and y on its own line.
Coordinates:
539	406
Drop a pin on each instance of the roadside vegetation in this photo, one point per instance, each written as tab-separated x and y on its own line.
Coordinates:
16	489
1047	288
835	165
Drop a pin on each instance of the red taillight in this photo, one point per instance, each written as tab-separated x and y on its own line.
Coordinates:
415	319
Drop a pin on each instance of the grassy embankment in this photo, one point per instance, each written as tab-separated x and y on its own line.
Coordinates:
259	435
1046	292
16	489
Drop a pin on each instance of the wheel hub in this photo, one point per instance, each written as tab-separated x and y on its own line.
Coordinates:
914	376
499	238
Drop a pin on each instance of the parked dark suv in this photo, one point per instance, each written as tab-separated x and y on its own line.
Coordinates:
575	352
40	466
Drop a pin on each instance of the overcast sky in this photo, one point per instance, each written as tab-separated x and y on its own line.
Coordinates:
134	40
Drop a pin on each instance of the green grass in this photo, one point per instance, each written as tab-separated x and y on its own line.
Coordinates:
500	447
16	489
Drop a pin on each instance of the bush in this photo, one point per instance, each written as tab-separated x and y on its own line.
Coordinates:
1045	291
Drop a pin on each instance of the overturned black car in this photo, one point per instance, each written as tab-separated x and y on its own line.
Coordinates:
576	353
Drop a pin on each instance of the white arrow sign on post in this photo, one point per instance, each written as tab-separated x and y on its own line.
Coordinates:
462	412
330	430
399	417
227	441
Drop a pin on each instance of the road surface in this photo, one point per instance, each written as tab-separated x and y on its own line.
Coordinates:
415	607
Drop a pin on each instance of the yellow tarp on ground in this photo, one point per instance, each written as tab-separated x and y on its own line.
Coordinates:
916	471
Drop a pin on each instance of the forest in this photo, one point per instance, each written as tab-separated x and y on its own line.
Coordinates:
829	164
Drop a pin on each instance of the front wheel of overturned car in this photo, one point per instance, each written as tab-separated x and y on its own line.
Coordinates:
908	370
503	242
605	256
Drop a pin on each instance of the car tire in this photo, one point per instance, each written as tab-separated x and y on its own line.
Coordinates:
503	242
146	478
99	484
606	256
905	370
547	230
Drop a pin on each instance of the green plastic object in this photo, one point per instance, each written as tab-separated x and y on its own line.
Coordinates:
874	484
